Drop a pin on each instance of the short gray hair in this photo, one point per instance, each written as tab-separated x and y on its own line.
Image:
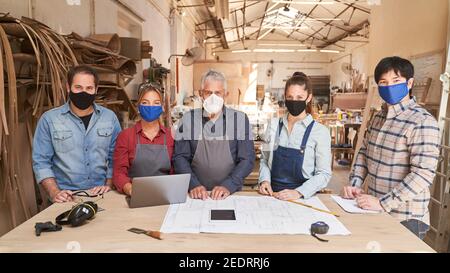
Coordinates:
213	75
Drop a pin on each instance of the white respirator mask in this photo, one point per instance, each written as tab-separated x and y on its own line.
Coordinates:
213	104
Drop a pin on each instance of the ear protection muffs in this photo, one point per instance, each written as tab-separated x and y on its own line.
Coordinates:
78	214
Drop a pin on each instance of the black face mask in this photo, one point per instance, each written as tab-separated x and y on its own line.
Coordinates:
296	107
82	100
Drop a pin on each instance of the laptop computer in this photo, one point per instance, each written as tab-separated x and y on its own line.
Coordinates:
159	190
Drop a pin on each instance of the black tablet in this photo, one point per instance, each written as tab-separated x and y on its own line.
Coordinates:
223	215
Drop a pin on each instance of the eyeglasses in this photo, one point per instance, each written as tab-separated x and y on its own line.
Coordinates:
78	200
86	194
219	93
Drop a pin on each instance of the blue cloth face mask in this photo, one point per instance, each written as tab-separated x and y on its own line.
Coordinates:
150	113
393	94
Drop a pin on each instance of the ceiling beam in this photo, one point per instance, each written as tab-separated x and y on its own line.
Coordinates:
316	35
354	5
243	23
325	23
249	22
264	17
307	15
328	23
252	4
354	30
247	38
218	26
351	16
237	27
329	31
316	38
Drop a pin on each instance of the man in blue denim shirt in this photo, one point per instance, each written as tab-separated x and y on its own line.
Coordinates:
73	144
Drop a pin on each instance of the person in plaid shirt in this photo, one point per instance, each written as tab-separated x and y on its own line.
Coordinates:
399	155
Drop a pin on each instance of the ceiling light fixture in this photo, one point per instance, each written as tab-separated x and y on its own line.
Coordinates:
273	50
329	51
285	27
289	45
265	34
323	19
241	51
73	2
303	2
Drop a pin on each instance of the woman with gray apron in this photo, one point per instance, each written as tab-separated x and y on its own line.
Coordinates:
145	149
296	159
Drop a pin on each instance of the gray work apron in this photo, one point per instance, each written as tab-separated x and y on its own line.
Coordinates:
212	162
150	160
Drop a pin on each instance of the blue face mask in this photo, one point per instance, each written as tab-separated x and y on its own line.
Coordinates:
393	94
150	113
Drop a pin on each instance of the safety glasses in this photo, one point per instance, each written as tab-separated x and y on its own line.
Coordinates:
85	194
80	194
149	85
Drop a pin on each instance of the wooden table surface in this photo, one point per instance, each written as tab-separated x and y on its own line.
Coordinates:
108	233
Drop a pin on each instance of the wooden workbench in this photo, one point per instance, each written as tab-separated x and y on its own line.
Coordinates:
108	233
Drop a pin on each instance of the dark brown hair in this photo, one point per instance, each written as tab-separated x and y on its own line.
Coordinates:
301	79
401	67
82	69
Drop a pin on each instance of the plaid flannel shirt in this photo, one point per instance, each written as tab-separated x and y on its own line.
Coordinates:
398	160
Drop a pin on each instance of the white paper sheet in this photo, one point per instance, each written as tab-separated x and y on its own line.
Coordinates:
254	215
350	205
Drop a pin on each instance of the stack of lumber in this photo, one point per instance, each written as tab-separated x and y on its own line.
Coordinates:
146	50
358	82
349	101
34	61
116	71
355	98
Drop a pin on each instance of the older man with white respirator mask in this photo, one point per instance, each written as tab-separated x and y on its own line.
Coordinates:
214	143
